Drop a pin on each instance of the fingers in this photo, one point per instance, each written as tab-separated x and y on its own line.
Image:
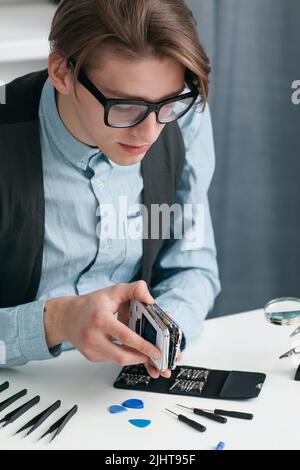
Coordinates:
166	374
135	290
127	356
131	339
121	355
154	372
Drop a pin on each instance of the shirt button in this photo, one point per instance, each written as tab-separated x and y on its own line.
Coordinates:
107	243
100	184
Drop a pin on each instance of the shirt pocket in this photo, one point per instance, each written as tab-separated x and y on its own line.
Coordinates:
133	249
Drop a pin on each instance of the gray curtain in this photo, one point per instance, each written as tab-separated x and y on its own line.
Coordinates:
254	47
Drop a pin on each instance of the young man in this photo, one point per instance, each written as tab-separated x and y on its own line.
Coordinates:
98	126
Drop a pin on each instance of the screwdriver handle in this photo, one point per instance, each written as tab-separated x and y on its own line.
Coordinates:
212	416
192	423
234	414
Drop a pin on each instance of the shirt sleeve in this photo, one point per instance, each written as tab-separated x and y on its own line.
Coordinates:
22	335
185	276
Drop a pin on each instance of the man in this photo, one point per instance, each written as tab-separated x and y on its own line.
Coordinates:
101	125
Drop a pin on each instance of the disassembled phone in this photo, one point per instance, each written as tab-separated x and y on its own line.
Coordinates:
156	326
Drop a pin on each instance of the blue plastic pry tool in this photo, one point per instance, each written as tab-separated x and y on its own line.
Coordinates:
113	409
140	423
133	403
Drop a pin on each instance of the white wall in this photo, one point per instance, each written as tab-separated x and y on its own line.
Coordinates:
24	30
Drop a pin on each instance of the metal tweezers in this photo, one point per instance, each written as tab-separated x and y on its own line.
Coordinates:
60	424
290	353
35	422
15	414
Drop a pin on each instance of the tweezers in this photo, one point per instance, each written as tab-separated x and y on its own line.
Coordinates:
4	404
4	386
35	422
60	424
15	414
289	353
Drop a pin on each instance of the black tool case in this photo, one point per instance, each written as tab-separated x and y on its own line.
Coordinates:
194	381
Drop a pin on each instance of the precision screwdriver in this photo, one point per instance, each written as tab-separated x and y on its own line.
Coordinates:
205	414
232	414
189	421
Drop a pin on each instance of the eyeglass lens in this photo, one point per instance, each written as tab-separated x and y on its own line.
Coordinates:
122	115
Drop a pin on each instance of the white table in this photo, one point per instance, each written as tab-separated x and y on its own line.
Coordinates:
236	342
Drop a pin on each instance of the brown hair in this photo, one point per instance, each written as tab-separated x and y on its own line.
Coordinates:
134	27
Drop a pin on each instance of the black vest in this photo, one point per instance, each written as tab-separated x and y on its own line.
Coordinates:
22	205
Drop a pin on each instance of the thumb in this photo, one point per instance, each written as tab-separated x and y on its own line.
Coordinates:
135	290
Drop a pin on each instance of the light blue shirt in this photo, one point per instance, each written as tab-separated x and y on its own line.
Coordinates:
78	180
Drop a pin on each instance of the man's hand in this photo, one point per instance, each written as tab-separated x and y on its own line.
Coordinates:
89	323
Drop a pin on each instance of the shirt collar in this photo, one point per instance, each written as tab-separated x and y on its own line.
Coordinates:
75	151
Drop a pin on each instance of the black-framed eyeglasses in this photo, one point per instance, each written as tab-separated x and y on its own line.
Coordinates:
123	113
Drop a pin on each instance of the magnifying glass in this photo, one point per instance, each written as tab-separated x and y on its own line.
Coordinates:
284	311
